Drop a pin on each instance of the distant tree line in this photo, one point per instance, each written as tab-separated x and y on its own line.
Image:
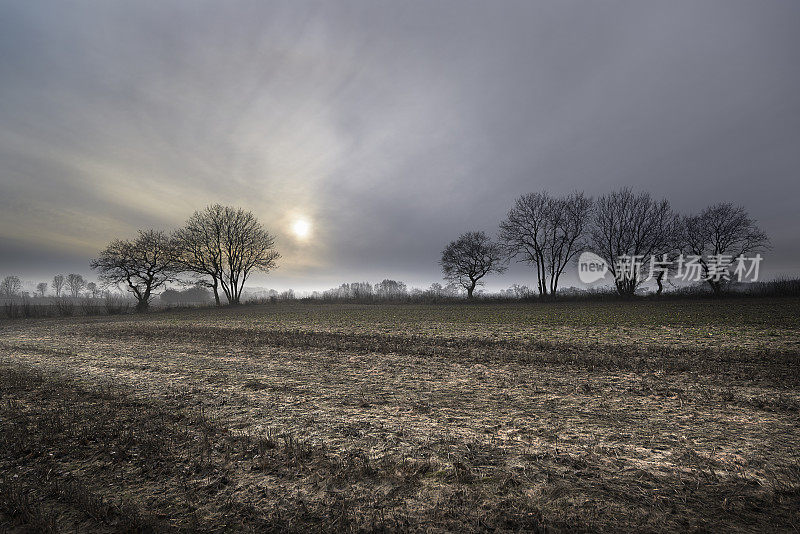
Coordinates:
75	284
386	290
548	232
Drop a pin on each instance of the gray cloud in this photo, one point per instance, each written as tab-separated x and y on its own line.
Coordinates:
393	127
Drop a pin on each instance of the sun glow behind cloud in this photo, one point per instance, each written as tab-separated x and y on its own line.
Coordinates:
301	228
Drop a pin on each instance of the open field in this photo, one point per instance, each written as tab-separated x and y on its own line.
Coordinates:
579	416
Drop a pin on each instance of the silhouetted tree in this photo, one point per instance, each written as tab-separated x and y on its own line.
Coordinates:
143	265
246	247
10	286
722	231
58	284
75	283
469	258
41	287
200	246
93	289
547	232
631	227
664	257
223	246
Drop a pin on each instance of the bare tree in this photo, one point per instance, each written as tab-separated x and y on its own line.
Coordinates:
143	265
248	247
93	289
665	256
58	284
629	230
722	232
75	283
391	289
41	287
547	232
223	246
469	258
200	246
361	290
10	286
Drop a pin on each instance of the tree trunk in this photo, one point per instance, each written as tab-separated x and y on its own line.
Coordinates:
626	288
236	292
470	290
542	282
554	285
658	281
216	292
716	287
144	302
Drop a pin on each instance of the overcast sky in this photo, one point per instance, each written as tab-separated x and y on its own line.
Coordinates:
392	127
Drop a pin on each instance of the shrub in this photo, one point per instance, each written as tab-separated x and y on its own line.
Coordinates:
64	306
115	305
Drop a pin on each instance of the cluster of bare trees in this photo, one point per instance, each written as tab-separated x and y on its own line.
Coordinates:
548	232
74	284
219	247
386	290
10	286
364	291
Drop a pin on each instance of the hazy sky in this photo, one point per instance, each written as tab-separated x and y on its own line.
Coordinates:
391	126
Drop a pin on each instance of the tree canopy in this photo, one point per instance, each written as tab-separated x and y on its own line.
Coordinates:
469	258
142	265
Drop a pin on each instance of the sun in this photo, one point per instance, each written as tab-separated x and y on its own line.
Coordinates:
301	228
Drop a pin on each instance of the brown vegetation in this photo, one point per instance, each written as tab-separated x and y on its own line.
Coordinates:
592	416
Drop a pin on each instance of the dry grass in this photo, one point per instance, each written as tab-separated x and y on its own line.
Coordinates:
651	416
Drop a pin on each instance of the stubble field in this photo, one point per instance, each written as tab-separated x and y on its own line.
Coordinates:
619	416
